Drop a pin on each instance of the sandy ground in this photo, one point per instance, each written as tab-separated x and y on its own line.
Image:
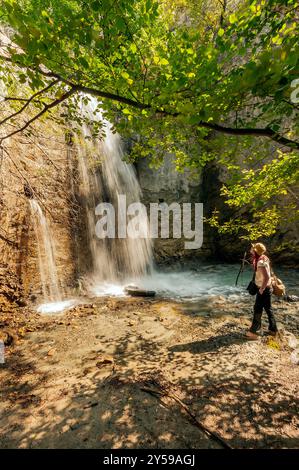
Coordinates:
82	379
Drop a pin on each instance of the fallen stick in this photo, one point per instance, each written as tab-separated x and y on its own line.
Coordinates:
201	426
91	405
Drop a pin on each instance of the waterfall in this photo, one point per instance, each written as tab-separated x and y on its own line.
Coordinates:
46	254
104	177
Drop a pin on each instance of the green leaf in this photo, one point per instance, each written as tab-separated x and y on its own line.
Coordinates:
232	18
83	62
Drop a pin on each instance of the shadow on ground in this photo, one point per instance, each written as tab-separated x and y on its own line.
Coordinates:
89	394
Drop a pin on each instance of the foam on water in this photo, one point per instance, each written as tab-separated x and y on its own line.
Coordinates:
56	307
206	281
103	289
191	285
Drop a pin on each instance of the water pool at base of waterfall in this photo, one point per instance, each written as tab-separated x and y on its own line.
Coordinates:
187	285
205	281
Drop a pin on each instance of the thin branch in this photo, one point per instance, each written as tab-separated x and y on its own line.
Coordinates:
9	242
12	98
26	181
99	93
47	107
293	105
223	11
221	19
18	170
164	393
28	101
113	97
44	152
82	88
290	191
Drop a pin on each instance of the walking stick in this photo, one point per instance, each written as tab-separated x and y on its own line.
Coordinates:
244	260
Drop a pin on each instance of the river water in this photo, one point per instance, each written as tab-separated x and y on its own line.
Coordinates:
204	281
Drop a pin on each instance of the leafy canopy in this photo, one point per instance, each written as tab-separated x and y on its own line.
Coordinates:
169	71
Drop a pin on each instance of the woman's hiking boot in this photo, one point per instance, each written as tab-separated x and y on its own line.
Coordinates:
252	336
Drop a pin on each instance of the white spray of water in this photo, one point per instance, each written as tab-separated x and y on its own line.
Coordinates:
46	254
105	176
56	307
52	293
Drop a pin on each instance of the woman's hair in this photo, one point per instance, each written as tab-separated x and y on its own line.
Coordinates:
254	259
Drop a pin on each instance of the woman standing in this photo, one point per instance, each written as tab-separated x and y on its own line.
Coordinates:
261	265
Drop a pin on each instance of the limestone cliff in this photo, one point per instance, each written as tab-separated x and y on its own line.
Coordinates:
166	185
40	163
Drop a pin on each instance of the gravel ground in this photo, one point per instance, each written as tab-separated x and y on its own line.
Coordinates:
141	373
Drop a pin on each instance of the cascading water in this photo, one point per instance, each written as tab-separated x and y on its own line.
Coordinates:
105	177
46	254
52	293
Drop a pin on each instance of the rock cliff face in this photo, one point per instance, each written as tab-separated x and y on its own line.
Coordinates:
166	185
40	165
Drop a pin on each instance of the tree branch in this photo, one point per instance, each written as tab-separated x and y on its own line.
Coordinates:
258	132
12	98
96	92
112	97
28	101
47	107
9	242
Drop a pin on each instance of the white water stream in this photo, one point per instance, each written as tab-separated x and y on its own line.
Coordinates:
51	288
46	254
106	178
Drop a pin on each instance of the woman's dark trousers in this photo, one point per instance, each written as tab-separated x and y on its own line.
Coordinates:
263	301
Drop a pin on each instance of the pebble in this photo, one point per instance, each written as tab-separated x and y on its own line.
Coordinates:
51	352
295	357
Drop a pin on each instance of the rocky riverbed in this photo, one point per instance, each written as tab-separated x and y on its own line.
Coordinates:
148	373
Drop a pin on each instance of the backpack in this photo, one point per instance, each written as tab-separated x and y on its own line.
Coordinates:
277	286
